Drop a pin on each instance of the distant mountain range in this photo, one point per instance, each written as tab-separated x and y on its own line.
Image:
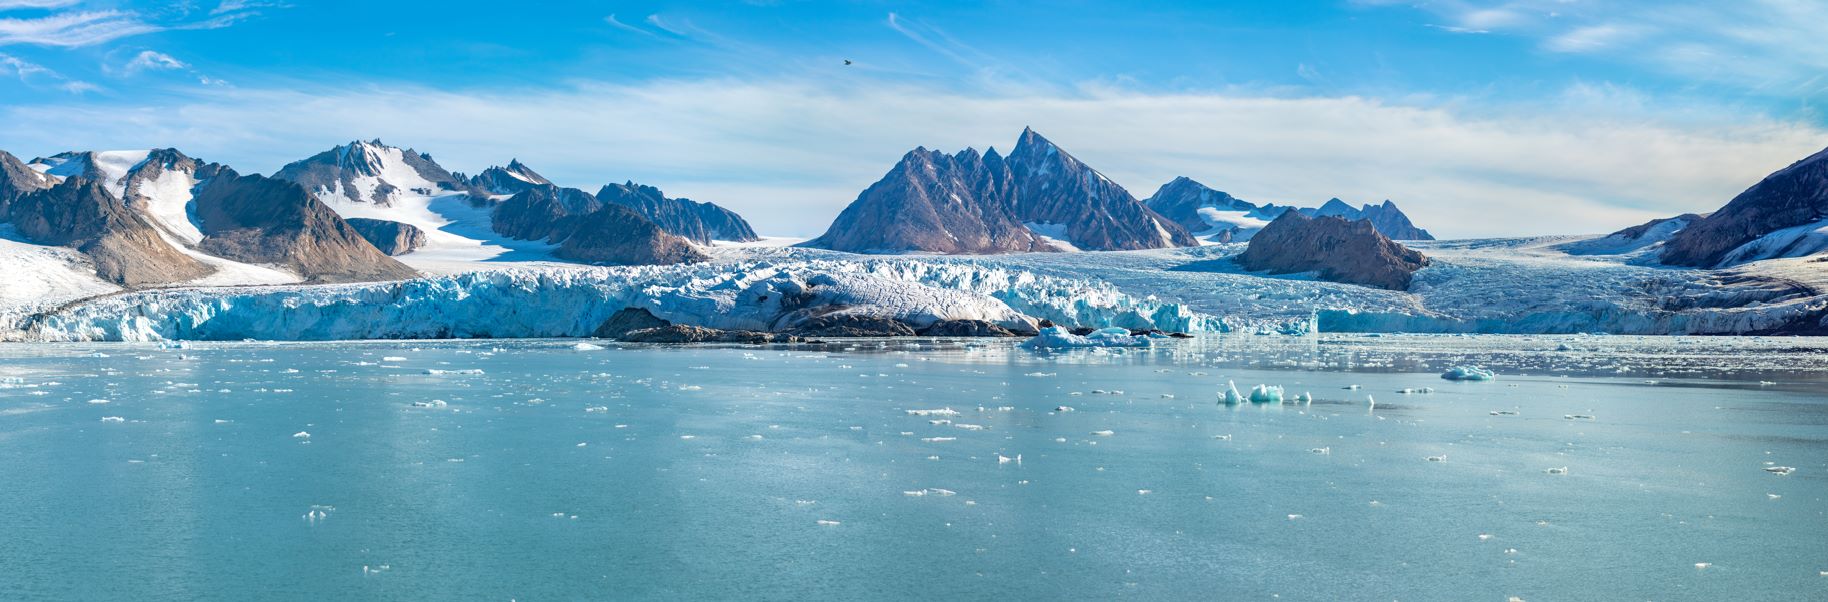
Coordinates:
1219	217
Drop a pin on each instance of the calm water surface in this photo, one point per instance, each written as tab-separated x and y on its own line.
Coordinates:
686	473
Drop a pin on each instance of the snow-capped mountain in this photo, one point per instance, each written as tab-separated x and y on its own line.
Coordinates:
371	172
125	248
1784	215
698	222
17	180
1209	214
1038	199
939	203
513	179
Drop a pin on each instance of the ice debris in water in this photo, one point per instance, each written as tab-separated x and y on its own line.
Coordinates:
1058	337
393	358
1468	373
587	347
113	419
1266	394
469	372
938	412
1559	470
301	435
1780	470
436	403
99	401
1230	395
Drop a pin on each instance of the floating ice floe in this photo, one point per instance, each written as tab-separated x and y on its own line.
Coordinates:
828	523
1306	399
1266	394
938	412
100	401
587	347
1058	337
1780	470
436	403
393	358
1104	433
301	435
1559	470
113	419
1063	408
1440	458
1468	373
467	372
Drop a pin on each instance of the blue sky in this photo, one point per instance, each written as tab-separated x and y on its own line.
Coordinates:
1481	117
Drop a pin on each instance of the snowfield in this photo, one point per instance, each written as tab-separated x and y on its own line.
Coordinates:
1518	286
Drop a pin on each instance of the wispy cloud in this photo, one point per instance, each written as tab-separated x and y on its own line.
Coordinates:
151	60
618	24
790	154
33	74
73	29
35	4
661	24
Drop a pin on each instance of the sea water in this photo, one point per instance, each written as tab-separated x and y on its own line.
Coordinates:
1593	468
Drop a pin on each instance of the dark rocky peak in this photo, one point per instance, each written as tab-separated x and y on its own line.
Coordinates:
256	219
16	180
1333	248
513	179
1182	199
618	235
339	170
543	212
1057	189
698	222
1771	219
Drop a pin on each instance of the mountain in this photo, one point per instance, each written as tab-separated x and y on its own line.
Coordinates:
1207	213
17	180
589	230
513	179
543	212
262	220
698	222
1647	235
1219	217
934	202
1783	215
618	235
392	238
1054	188
1039	198
1335	248
371	172
82	214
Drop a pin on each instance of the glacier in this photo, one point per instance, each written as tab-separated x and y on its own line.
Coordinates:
524	302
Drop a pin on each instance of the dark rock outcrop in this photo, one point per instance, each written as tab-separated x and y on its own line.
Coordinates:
966	328
17	180
626	320
1642	236
698	222
851	325
1791	197
1336	249
392	238
543	212
513	179
617	235
255	219
968	203
676	333
82	214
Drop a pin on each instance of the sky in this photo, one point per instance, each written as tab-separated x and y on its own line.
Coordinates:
1480	118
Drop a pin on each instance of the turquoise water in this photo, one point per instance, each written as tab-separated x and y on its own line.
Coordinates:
691	473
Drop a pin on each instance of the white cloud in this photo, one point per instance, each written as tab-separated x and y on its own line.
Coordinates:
790	154
33	74
73	29
149	60
618	24
35	4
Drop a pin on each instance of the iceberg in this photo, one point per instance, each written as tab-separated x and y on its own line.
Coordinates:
1058	337
1230	395
1266	394
1467	373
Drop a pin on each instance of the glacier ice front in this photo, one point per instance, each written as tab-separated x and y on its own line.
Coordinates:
1058	337
574	301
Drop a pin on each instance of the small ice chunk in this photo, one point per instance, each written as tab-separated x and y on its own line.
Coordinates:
1058	337
587	347
393	358
828	523
1780	470
1559	470
113	419
1063	408
939	412
1104	433
1440	458
467	372
100	401
301	435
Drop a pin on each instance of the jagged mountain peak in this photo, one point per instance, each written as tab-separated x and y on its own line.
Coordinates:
372	172
513	179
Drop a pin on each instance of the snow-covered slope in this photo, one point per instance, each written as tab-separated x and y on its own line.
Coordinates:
41	277
573	301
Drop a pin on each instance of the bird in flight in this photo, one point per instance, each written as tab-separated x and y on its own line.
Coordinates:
847	61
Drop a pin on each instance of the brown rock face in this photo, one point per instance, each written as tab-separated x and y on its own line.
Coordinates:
82	214
939	203
971	204
1793	196
542	211
17	180
254	219
1338	250
698	222
392	238
617	235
